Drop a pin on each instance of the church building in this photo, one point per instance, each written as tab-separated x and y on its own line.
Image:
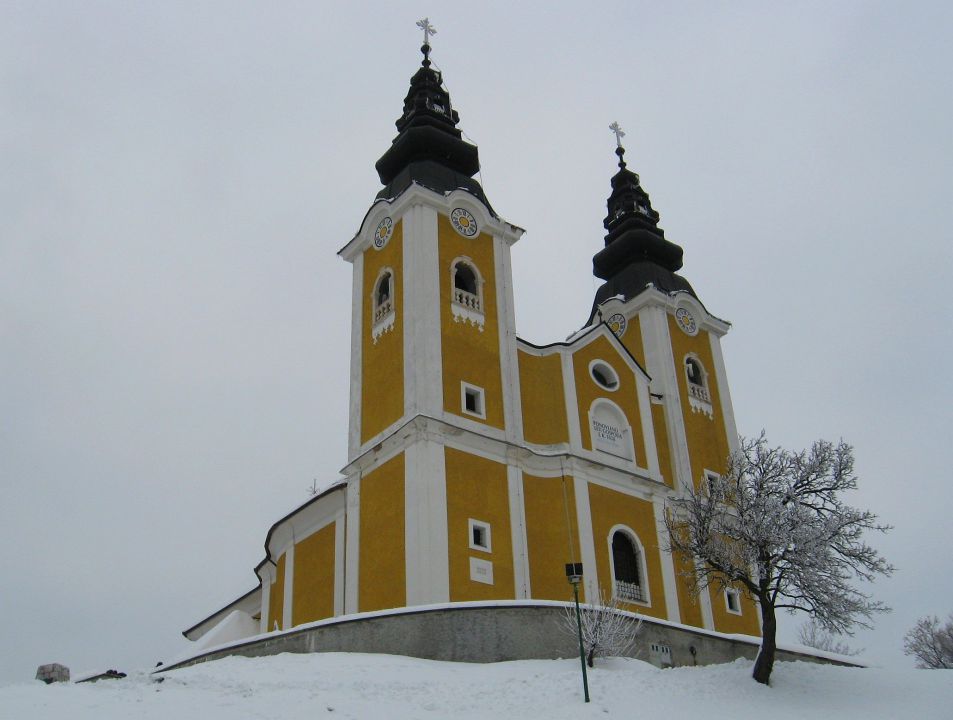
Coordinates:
479	464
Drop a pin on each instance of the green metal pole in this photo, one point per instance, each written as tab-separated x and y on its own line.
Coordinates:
582	651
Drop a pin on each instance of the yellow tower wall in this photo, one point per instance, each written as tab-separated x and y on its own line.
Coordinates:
470	355
382	362
552	535
543	399
314	577
381	558
477	488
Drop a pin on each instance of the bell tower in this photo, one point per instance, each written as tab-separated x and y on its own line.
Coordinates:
433	357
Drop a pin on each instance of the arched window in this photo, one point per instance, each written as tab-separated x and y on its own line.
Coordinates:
698	395
382	300
627	568
466	292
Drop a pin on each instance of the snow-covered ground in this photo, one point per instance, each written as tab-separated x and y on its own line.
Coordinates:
350	685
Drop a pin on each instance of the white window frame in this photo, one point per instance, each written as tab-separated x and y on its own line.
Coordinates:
603	366
469	307
736	594
466	388
625	529
382	322
699	395
485	527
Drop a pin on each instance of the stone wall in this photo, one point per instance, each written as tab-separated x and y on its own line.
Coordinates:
488	633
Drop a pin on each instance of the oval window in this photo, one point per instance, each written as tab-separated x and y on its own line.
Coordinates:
604	375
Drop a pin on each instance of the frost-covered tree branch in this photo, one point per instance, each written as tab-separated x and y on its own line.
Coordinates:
607	630
930	643
777	525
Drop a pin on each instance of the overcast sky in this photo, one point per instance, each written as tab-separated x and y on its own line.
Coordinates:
176	178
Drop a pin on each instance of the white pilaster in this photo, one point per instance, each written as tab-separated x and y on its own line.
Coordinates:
669	580
708	619
509	362
267	578
287	609
572	403
352	544
423	366
425	522
721	377
514	479
648	430
587	548
357	308
660	363
339	526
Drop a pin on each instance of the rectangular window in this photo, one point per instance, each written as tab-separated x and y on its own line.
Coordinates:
479	535
471	400
733	601
711	478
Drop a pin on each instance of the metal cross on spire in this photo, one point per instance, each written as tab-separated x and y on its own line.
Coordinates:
619	134
427	28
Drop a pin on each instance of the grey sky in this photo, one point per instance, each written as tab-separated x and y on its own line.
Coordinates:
176	178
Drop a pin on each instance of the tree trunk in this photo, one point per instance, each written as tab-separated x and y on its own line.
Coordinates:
590	656
769	627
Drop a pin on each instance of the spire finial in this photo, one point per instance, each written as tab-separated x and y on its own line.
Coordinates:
619	150
428	31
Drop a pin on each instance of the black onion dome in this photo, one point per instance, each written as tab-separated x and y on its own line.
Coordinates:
429	149
636	253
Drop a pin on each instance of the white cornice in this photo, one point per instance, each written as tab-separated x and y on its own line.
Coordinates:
652	296
417	195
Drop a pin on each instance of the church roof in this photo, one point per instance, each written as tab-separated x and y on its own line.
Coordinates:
429	149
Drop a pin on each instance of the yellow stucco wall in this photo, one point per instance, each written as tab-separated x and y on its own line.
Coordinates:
661	445
632	339
625	396
382	362
746	623
689	605
543	399
477	488
707	440
469	355
381	554
276	598
609	508
313	597
550	507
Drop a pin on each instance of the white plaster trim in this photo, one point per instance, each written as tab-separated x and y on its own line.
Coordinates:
480	412
572	403
461	312
640	548
698	404
423	366
708	617
425	524
732	591
487	533
724	394
514	481
386	321
612	372
265	602
587	548
352	547
648	429
660	360
357	364
339	527
509	361
669	578
286	612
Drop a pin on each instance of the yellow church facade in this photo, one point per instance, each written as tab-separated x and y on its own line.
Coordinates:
480	464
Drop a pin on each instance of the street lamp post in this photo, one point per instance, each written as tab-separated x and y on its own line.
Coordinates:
574	574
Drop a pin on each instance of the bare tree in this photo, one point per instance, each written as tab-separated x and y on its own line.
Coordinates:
775	525
607	630
930	643
812	635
